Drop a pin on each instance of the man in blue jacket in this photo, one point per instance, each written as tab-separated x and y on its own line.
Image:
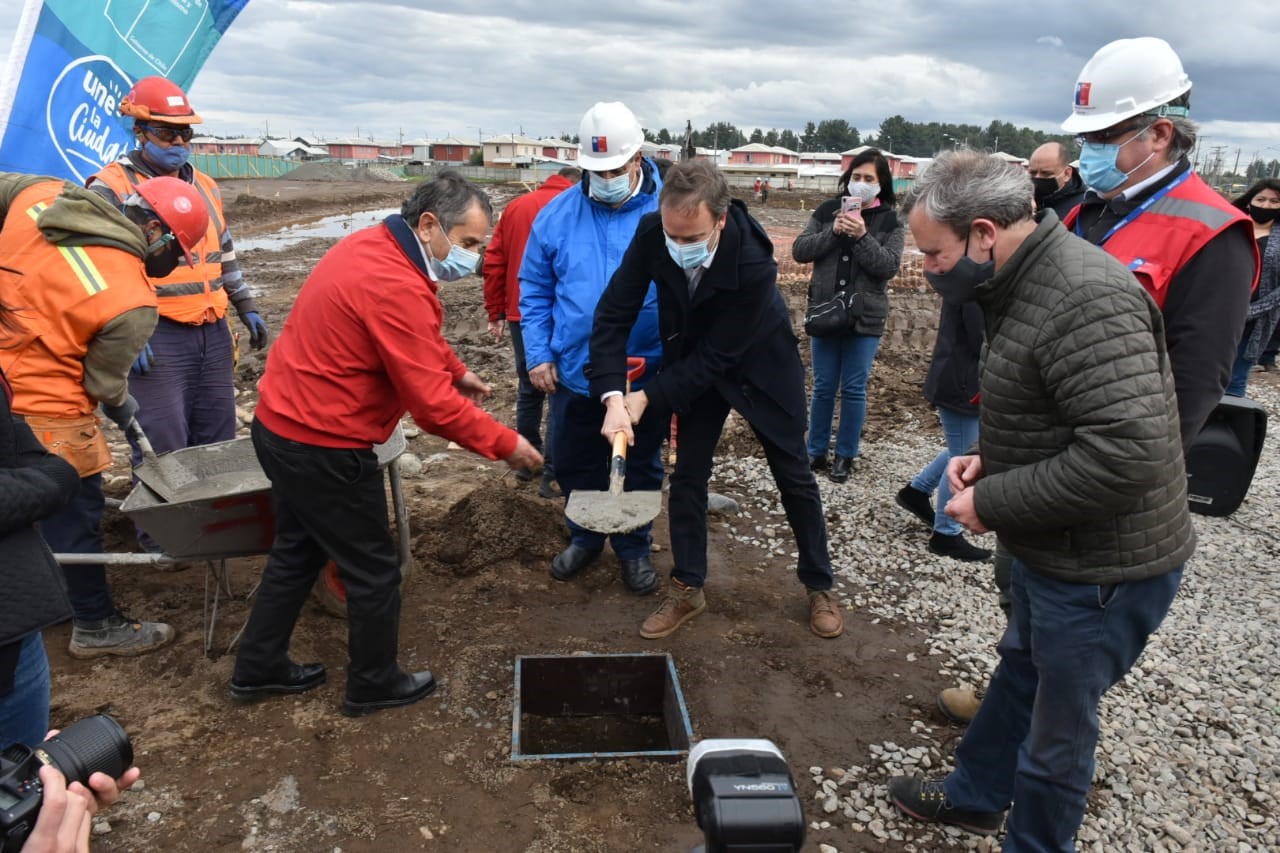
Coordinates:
576	243
728	344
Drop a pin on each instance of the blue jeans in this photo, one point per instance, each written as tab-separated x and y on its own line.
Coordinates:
844	364
960	431
1033	740
1239	373
529	402
77	529
24	712
582	462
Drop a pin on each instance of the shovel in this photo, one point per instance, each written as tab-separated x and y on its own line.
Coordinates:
164	475
615	511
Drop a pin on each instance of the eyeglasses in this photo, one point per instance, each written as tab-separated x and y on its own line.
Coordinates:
169	134
1103	137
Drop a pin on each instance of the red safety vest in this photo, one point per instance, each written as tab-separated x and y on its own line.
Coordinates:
1162	239
188	294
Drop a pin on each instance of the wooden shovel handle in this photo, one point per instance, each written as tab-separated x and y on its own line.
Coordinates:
618	464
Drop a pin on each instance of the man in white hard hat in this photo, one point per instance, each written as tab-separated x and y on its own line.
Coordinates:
576	243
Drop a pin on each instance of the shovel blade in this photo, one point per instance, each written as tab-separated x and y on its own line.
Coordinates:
605	512
165	476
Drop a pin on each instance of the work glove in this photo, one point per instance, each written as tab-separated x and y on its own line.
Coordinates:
145	361
259	334
122	413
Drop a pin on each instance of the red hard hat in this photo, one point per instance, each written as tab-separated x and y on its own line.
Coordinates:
180	208
158	99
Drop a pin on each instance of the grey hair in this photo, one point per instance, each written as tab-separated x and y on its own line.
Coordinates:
963	185
449	196
1183	141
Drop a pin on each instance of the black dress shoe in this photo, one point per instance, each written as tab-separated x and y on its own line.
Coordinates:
409	688
819	463
840	469
299	678
957	548
917	503
639	575
571	561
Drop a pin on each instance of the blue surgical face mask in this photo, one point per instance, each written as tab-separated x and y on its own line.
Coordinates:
169	159
610	190
1098	165
459	263
688	256
960	283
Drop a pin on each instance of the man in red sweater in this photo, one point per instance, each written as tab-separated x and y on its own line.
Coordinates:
502	301
362	344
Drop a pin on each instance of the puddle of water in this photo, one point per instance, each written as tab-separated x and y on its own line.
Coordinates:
331	226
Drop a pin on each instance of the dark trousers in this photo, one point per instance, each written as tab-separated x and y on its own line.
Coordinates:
1033	740
529	403
77	529
582	462
188	398
330	504
700	429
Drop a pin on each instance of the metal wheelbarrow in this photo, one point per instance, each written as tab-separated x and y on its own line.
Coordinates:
231	516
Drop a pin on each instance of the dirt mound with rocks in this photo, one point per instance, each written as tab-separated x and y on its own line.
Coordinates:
493	525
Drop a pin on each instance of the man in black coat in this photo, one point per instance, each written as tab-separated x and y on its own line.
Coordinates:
727	343
1057	183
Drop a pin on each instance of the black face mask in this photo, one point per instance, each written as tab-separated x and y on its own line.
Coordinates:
1045	187
164	261
960	283
1263	215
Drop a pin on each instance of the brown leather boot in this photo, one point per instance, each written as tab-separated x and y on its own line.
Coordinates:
960	704
824	614
679	605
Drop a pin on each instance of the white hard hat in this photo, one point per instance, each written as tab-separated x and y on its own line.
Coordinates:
1126	78
608	137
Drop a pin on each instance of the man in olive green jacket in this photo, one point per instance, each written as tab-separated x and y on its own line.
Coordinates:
1081	474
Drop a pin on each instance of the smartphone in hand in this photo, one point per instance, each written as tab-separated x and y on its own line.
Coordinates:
852	205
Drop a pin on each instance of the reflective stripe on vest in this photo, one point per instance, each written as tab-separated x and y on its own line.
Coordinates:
190	288
76	257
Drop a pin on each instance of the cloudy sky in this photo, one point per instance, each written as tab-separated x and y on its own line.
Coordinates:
331	67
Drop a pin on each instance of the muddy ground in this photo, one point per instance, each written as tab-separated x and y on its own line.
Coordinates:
294	775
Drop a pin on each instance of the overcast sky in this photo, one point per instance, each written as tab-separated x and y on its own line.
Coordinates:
426	69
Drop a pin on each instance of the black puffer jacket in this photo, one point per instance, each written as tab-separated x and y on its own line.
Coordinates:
1081	448
952	381
841	262
34	484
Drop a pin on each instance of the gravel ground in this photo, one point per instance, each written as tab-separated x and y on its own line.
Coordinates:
1190	741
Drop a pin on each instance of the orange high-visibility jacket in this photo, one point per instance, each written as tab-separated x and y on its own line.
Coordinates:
188	294
63	296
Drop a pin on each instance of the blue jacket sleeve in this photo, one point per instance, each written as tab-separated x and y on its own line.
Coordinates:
537	295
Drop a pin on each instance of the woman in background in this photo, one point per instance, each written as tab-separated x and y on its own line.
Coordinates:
853	253
1262	202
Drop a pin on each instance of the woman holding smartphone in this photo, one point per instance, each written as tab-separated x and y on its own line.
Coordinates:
855	244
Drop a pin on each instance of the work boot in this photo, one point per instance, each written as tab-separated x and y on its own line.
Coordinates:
680	604
639	575
959	704
118	635
824	614
841	468
819	463
925	799
570	562
548	488
957	548
917	503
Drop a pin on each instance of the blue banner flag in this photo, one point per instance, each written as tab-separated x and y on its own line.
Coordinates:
73	60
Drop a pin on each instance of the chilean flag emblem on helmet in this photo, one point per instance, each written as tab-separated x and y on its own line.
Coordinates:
600	145
1082	94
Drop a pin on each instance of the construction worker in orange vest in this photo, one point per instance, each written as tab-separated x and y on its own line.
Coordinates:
183	379
76	272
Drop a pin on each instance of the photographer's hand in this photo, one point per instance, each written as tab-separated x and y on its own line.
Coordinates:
107	790
66	816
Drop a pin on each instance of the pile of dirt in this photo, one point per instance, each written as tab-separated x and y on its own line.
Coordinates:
323	171
467	539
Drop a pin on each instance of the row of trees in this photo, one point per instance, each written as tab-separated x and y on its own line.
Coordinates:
896	134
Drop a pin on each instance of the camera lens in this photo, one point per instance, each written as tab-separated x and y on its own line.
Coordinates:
90	745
